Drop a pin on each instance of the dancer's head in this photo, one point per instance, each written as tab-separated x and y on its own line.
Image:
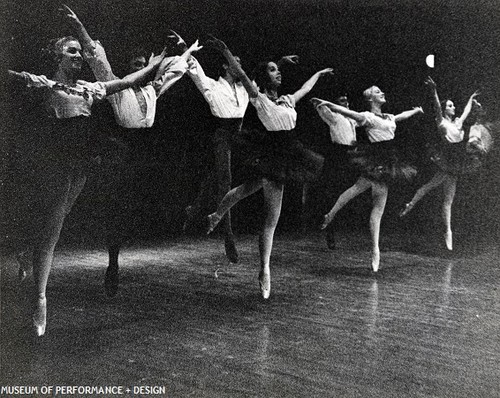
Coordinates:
342	101
448	108
65	54
267	75
137	60
226	71
374	95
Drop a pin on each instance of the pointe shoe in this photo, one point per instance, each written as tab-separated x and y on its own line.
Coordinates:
40	317
406	209
448	238
375	261
231	252
213	220
326	220
265	284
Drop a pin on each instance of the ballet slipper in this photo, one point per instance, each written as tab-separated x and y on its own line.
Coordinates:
406	209
375	260
448	238
40	317
265	284
213	220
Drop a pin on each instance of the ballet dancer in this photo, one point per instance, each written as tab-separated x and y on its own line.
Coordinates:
343	139
134	110
451	157
272	155
228	100
379	166
64	155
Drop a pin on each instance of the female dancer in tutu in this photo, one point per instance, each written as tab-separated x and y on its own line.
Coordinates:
380	164
62	158
273	156
451	157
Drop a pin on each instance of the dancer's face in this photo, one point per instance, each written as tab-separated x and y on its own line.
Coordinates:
71	56
449	110
377	95
137	63
343	101
274	74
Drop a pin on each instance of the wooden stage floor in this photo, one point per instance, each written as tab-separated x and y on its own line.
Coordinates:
427	325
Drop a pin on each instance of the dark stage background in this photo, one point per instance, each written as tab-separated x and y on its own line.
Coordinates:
366	42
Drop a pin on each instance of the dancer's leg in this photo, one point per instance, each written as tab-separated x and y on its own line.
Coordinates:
231	198
361	185
449	188
223	167
273	198
379	198
57	197
435	181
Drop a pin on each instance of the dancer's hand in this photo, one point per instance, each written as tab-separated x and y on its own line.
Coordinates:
70	15
429	82
324	72
475	94
216	44
290	59
316	102
179	41
155	60
418	109
195	47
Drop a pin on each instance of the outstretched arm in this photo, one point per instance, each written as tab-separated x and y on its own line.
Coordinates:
407	114
468	107
359	117
234	65
172	69
85	39
135	78
308	85
435	100
185	57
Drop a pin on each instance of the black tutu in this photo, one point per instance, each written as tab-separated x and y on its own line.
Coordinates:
277	156
457	158
382	161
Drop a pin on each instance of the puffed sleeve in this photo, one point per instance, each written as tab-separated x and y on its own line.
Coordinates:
98	62
174	70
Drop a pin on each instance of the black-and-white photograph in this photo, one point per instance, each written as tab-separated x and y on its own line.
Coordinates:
260	198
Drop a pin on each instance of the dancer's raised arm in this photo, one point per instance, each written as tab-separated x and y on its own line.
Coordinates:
133	79
83	36
436	104
468	106
309	84
233	63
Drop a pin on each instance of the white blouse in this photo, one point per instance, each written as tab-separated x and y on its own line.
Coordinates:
126	107
342	129
453	131
225	101
65	101
379	128
276	115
